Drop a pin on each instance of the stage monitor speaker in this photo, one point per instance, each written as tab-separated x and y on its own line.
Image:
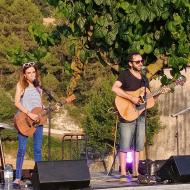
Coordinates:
176	169
61	175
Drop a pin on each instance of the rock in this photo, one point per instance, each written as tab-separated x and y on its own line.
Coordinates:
63	121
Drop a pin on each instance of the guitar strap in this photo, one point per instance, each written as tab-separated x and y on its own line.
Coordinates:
23	93
40	92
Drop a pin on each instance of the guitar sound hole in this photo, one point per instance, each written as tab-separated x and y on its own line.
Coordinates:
35	124
140	106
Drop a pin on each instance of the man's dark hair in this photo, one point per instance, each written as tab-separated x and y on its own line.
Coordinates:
130	56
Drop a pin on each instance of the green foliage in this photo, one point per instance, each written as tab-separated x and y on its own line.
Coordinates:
44	7
90	80
119	27
10	144
50	64
15	40
9	135
87	27
50	81
7	108
55	148
38	31
99	122
153	124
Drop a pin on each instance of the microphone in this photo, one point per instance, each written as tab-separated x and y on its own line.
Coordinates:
36	83
144	69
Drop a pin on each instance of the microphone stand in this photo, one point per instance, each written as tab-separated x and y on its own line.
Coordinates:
147	178
177	125
145	116
50	98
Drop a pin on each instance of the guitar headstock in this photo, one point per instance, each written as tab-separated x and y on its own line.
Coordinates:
58	105
164	90
180	80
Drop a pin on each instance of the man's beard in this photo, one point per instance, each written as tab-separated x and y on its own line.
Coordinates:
135	69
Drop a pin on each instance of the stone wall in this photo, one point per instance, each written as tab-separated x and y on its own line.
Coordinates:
62	121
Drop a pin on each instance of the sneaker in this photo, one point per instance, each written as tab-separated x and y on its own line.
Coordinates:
16	184
135	175
123	179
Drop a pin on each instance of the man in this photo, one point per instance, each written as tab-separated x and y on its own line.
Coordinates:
132	134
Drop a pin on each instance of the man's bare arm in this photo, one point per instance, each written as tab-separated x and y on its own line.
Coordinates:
120	92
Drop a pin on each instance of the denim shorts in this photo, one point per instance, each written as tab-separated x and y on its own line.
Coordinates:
132	135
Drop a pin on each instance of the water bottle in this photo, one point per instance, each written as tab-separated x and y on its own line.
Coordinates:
153	169
8	176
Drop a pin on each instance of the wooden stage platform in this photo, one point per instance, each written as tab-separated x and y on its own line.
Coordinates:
113	183
100	181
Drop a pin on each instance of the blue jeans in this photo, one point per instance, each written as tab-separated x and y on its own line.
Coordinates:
22	143
132	135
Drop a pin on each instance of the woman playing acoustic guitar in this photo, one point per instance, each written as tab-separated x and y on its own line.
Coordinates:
28	97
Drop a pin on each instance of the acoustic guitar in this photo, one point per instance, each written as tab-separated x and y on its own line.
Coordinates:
26	126
130	111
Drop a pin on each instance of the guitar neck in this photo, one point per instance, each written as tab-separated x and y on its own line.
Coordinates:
159	91
46	112
59	104
155	93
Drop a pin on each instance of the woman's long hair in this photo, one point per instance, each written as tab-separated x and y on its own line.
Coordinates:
22	80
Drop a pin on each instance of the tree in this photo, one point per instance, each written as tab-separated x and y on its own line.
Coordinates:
15	40
153	28
99	117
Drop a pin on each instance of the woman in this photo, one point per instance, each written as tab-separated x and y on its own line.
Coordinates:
28	97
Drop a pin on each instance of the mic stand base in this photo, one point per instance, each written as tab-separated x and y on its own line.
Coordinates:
147	179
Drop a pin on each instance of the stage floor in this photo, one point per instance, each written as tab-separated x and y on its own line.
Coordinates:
101	181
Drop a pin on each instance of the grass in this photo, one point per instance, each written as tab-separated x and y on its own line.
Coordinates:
10	145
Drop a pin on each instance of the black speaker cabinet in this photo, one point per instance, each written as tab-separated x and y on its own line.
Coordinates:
61	175
176	169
